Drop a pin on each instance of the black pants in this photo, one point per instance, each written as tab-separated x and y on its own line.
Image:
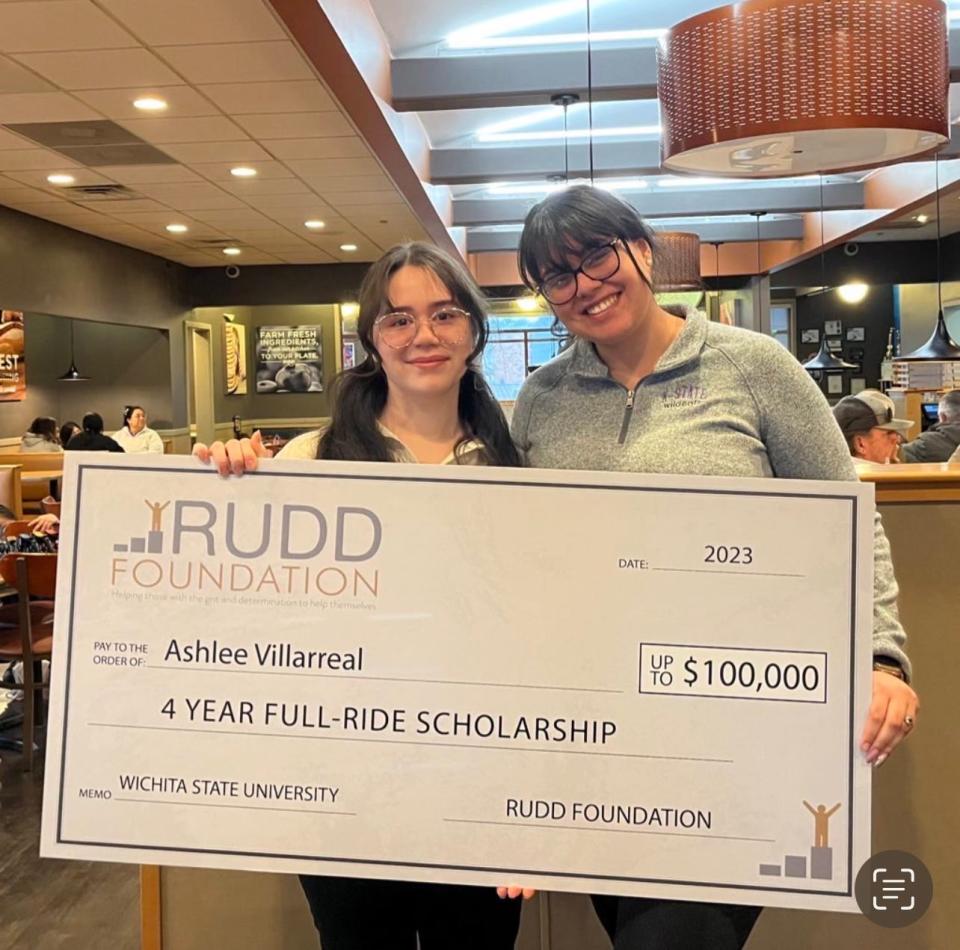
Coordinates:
635	923
354	914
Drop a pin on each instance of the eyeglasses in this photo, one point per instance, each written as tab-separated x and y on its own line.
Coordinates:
448	324
599	264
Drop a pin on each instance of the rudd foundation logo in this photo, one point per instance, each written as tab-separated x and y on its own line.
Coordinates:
210	548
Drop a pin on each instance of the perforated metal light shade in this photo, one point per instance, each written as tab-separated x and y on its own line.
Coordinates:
769	88
826	360
677	263
940	346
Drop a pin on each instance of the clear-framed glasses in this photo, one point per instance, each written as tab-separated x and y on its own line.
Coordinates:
450	325
598	264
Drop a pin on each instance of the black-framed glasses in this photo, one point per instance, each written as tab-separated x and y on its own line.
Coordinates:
598	264
398	329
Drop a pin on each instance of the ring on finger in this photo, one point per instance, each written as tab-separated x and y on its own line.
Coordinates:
908	723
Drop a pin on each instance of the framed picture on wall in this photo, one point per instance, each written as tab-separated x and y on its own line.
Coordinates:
290	359
856	334
834	384
13	366
349	354
833	327
810	336
235	357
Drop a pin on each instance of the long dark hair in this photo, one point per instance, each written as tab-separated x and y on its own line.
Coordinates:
568	222
45	426
360	393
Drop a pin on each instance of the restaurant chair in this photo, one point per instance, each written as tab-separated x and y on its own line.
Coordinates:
11	489
50	506
28	641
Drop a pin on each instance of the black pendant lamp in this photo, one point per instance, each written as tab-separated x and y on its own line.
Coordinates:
940	346
824	360
72	375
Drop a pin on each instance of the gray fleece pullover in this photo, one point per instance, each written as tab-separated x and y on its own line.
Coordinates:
721	401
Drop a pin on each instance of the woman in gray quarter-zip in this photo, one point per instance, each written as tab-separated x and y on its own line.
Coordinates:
642	390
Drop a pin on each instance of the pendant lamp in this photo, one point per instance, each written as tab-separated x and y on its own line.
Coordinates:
770	88
678	262
72	375
940	346
824	360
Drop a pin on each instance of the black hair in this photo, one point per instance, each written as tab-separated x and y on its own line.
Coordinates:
45	426
570	221
68	430
128	411
93	423
360	393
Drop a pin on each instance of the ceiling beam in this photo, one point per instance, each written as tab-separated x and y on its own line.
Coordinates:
681	202
785	229
531	77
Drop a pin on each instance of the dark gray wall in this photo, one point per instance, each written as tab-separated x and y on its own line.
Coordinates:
277	284
277	405
126	364
49	269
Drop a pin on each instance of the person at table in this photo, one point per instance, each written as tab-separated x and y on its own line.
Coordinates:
942	439
42	436
134	435
868	424
68	430
643	390
417	397
91	437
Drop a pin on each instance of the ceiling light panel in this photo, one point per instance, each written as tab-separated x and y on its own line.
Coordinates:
182	101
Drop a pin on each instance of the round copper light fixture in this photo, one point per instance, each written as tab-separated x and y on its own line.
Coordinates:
677	264
770	88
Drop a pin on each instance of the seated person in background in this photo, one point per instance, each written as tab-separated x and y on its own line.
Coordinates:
47	524
68	430
134	436
867	423
942	440
42	436
92	439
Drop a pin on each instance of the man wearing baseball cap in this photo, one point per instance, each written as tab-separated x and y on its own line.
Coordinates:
868	425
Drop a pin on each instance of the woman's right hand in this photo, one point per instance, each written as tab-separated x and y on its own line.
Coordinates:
235	456
514	891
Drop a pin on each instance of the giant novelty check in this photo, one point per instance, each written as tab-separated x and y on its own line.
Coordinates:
576	681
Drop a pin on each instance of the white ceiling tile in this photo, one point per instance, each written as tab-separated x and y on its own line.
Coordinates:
250	256
191	196
196	153
297	206
184	130
220	171
43	107
148	174
194	258
26	159
38	177
24	197
262	97
127	204
332	246
271	186
341	146
14	78
235	218
238	62
174	22
366	171
58	25
118	103
358	199
295	125
9	140
101	69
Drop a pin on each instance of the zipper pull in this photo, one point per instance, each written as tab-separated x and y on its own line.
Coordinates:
627	413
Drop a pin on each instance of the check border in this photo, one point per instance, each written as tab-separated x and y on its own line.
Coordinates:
852	500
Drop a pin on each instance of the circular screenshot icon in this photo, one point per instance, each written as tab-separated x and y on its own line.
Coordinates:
894	888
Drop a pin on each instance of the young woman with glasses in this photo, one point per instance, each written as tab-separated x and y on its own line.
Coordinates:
417	397
643	390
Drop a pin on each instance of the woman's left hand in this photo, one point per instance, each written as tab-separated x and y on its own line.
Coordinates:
892	716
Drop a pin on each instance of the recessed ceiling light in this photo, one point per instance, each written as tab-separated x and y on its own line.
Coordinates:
314	225
150	104
243	171
350	310
61	179
231	251
177	228
922	218
348	247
